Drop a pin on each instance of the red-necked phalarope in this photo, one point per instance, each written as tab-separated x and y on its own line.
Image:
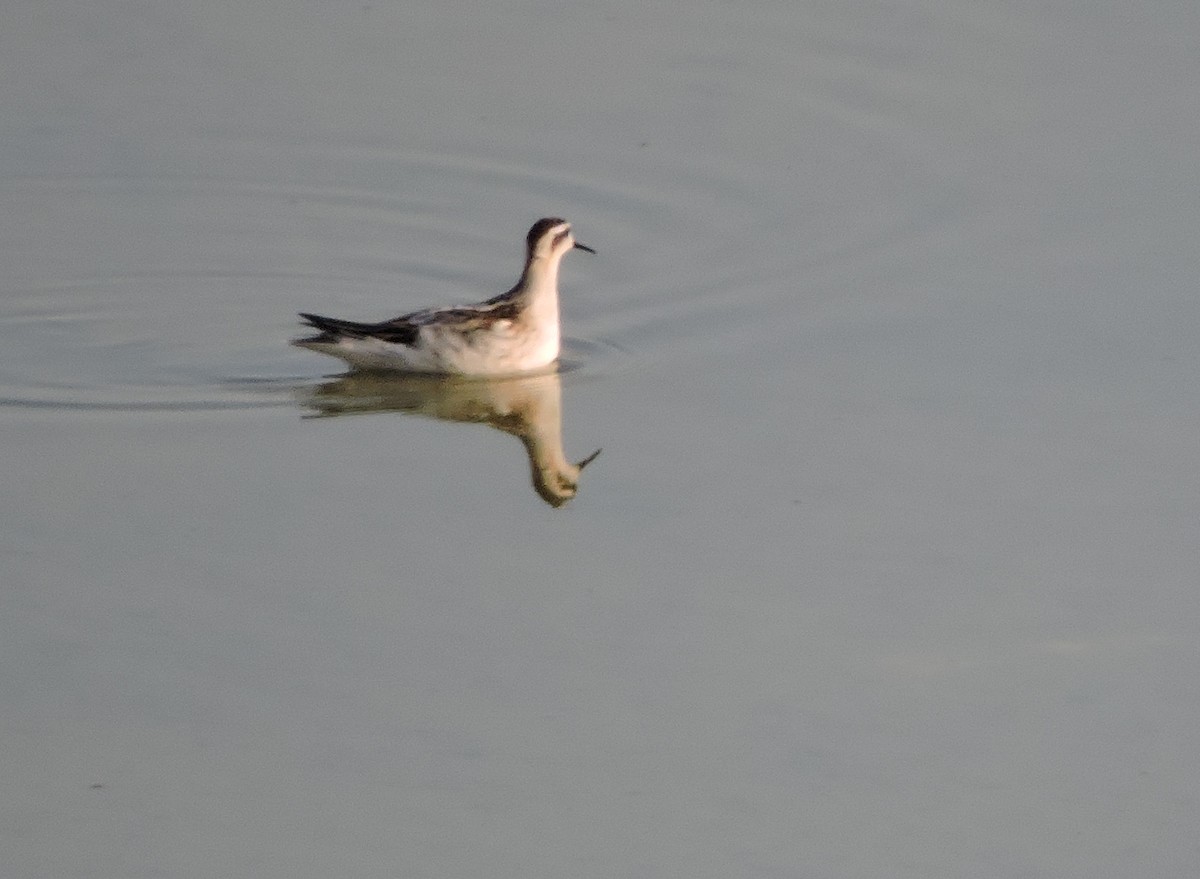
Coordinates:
511	333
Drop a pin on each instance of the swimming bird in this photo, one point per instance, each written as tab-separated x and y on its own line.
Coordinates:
515	332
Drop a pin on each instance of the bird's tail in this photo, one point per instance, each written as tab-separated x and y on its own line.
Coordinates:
333	328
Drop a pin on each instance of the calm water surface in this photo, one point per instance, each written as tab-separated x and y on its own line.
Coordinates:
889	564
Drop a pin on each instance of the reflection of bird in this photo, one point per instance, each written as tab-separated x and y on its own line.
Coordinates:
528	407
511	333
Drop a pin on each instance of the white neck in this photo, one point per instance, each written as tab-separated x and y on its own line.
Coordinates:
539	289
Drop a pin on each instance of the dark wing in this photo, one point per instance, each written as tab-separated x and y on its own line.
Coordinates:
467	320
401	331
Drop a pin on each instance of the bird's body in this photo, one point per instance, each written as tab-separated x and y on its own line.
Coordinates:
515	332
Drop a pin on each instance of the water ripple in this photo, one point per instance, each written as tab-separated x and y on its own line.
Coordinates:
141	294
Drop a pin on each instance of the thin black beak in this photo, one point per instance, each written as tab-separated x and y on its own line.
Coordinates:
579	246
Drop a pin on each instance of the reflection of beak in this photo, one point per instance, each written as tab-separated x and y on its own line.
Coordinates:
579	246
589	459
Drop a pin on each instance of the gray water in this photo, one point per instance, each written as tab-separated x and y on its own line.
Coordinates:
889	564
